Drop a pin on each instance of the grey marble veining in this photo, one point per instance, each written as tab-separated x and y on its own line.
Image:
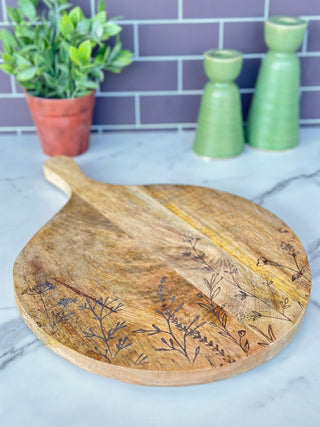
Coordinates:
38	386
283	184
15	341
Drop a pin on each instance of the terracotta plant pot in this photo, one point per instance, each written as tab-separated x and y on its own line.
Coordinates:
63	125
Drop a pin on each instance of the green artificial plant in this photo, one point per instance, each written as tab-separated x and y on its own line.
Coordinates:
60	53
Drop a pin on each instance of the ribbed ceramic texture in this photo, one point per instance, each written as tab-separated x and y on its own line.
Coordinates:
273	120
220	131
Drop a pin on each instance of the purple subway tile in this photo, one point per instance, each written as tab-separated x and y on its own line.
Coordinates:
19	88
222	9
245	101
177	39
143	76
5	86
85	6
310	71
249	73
14	3
294	8
169	109
14	112
126	37
142	9
247	37
195	78
310	105
114	111
314	36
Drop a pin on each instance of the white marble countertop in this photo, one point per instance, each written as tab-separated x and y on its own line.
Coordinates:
38	388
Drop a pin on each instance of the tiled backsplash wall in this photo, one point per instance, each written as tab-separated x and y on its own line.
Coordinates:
162	88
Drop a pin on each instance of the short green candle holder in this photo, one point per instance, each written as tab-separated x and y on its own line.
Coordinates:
219	131
273	119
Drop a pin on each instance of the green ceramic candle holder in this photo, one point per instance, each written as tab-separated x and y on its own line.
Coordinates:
273	120
219	131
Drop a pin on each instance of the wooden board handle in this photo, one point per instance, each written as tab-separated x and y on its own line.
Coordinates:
64	173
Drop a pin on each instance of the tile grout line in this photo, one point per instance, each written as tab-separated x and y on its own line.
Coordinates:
136	40
200	57
194	20
205	20
221	34
4	10
150	126
305	41
310	88
92	7
180	10
175	92
308	54
13	85
189	57
137	110
266	9
180	75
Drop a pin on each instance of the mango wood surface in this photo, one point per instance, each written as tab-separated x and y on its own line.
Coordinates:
161	284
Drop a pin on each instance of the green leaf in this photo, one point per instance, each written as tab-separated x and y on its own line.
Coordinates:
28	9
83	27
111	29
84	51
25	31
74	55
122	60
26	74
64	6
15	14
46	29
97	30
8	59
115	51
97	74
100	17
101	6
64	52
8	40
48	56
81	93
7	68
87	84
21	60
66	26
99	58
76	15
63	68
113	69
50	81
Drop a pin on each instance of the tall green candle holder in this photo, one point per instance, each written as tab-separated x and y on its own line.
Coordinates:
219	131
273	119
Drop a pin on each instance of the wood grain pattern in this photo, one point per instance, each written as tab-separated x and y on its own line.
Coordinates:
161	284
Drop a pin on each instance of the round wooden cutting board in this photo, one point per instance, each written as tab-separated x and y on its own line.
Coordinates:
161	284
